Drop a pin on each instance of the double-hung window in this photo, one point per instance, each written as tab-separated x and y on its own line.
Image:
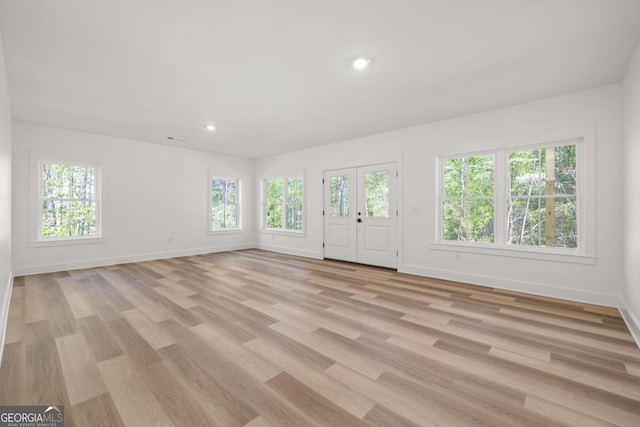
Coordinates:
224	204
284	203
69	202
526	197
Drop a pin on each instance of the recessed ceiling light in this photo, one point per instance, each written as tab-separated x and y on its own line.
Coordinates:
361	63
210	127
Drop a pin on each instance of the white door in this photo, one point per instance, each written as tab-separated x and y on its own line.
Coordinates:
360	215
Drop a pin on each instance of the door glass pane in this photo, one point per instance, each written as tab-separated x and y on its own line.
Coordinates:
340	196
376	193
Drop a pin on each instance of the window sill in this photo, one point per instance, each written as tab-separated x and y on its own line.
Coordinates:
287	233
557	255
222	232
67	242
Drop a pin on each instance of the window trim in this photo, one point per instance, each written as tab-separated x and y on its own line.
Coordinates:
38	161
263	205
584	139
226	176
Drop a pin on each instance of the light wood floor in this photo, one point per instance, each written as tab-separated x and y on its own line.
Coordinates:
253	338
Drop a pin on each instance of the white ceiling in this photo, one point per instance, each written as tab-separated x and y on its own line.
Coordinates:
274	75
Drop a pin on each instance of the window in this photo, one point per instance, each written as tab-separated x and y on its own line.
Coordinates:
69	201
468	199
542	202
284	203
515	197
224	204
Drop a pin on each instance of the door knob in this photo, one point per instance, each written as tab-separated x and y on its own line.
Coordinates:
359	220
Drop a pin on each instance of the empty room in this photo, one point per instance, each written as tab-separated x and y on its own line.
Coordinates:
319	213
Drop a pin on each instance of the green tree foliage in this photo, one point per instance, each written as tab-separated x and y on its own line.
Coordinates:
284	196
295	202
529	195
224	204
275	199
376	187
340	196
468	207
68	200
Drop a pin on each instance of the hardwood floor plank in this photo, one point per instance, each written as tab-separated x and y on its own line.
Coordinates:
379	416
151	332
262	370
229	410
348	399
76	297
130	394
313	404
97	412
99	339
44	381
255	338
13	390
139	352
330	349
414	410
17	316
79	369
175	397
562	414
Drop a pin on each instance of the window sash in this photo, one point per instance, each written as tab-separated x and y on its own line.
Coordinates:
91	222
231	185
284	203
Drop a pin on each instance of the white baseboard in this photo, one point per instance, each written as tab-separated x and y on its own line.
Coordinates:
74	265
4	314
578	295
633	323
291	251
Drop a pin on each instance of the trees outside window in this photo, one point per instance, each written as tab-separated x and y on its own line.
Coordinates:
284	203
468	203
542	198
339	189
69	201
225	205
535	205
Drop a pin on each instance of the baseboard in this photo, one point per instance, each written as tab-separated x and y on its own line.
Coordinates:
609	300
290	251
52	268
4	314
633	324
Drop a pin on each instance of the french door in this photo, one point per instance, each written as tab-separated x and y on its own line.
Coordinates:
361	216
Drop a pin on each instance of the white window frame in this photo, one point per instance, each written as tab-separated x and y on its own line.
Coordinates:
39	159
283	230
441	197
583	137
229	177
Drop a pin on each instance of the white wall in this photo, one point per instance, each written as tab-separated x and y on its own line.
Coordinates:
631	180
417	149
5	199
151	193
